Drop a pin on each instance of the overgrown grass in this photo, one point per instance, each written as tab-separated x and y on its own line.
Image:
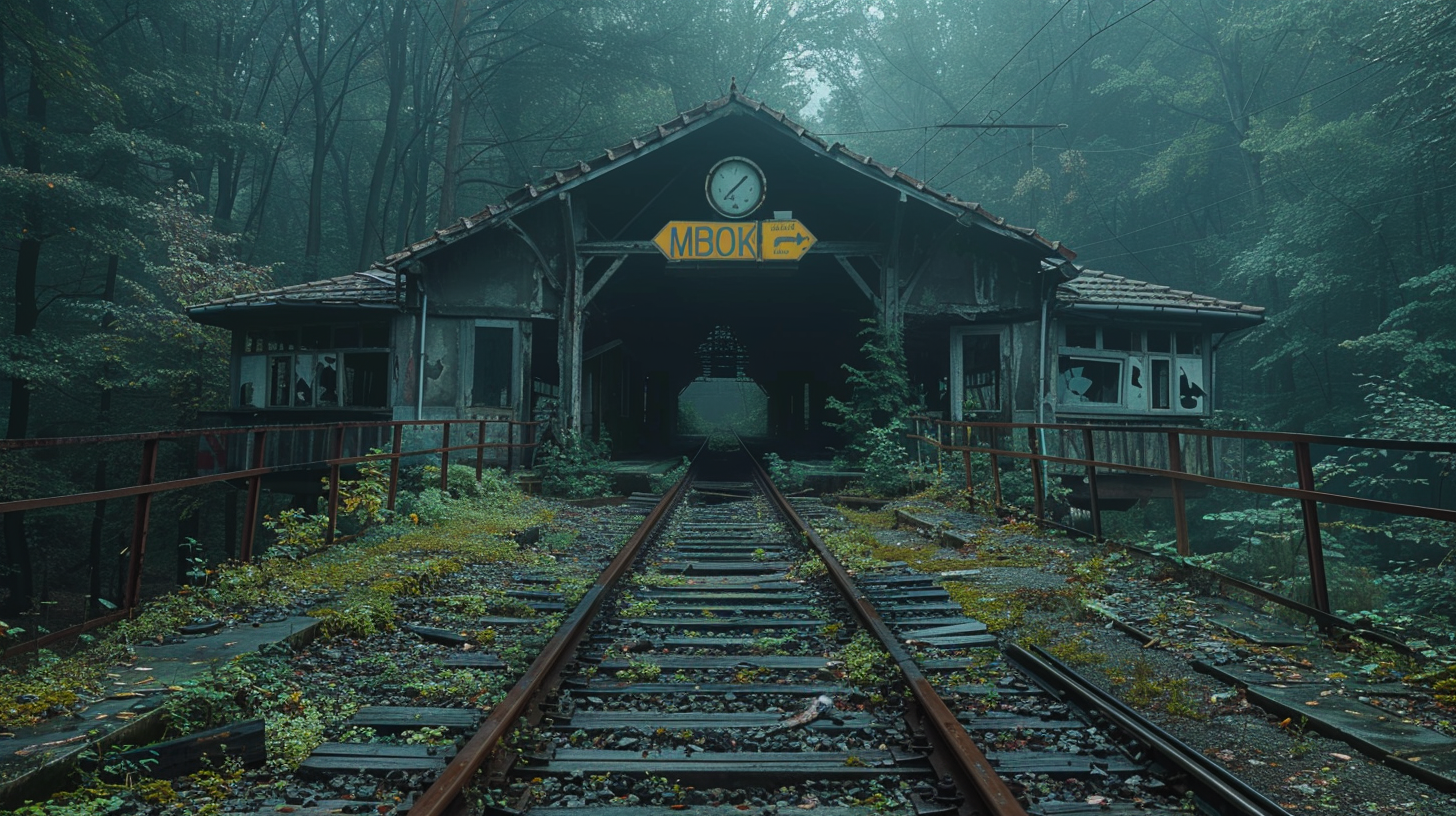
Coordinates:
351	587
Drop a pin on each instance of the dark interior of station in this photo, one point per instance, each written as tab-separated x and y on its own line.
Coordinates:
798	323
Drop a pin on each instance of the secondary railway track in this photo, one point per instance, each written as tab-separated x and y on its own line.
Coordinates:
704	673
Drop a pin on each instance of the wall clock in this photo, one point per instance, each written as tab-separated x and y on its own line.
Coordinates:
735	187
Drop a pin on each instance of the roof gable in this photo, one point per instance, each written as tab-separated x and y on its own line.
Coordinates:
687	122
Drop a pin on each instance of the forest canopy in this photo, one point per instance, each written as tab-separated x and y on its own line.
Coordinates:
1296	154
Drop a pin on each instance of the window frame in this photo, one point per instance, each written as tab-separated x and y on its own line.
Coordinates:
1143	359
264	395
957	370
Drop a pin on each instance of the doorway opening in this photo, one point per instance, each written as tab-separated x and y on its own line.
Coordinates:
723	396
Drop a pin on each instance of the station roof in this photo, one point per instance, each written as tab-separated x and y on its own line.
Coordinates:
688	121
1093	293
361	290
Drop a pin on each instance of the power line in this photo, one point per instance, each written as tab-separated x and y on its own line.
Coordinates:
1048	75
988	82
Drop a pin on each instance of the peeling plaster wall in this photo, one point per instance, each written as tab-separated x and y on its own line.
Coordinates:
962	277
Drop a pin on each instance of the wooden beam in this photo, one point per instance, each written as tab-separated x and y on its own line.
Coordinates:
858	281
858	249
602	281
535	250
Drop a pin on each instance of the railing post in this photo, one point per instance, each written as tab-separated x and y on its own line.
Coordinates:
395	446
445	456
1037	488
1180	508
1092	483
1313	541
480	453
255	492
511	445
141	520
996	468
966	461
333	512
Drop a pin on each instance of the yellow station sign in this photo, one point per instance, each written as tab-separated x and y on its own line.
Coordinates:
734	240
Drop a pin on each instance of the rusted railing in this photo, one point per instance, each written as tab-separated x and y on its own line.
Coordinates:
255	440
986	438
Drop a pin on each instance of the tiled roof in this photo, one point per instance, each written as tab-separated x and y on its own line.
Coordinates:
369	289
626	152
1094	288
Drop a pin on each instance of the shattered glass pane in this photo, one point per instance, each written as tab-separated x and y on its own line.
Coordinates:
1089	380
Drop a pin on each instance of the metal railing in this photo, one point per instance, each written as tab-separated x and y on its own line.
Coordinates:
346	443
991	439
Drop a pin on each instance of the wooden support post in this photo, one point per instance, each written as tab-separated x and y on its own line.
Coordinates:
444	456
1038	488
141	520
569	360
996	469
255	491
1180	508
396	445
336	452
480	452
1313	541
1092	483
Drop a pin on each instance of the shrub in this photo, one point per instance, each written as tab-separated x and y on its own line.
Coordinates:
575	467
789	476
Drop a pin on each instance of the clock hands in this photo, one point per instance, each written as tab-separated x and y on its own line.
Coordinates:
729	194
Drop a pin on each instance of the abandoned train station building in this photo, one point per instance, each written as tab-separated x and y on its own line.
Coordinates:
729	245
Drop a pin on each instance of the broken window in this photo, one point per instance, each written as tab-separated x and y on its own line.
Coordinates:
1089	380
1082	336
1121	339
303	374
326	379
1191	396
1162	383
252	380
280	370
366	383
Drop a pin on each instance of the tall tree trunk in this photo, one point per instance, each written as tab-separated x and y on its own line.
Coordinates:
456	131
27	269
103	422
395	53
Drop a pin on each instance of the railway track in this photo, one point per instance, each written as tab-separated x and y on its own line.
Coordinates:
704	672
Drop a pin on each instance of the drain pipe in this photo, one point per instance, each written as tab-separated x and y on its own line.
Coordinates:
424	318
1041	390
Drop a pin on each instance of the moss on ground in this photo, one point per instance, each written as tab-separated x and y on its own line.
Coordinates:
353	587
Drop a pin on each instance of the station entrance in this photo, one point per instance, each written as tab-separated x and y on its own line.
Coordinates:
673	351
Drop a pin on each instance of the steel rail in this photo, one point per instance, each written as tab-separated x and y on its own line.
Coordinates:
1234	796
440	797
969	760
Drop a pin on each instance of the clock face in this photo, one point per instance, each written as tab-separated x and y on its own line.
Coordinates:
735	187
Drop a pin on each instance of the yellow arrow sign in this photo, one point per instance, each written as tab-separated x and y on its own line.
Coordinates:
733	240
785	240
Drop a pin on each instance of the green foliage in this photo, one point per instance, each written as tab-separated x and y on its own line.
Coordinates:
575	467
789	476
880	401
296	533
662	482
866	663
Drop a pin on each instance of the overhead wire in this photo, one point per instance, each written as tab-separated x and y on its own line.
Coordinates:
1094	35
988	82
